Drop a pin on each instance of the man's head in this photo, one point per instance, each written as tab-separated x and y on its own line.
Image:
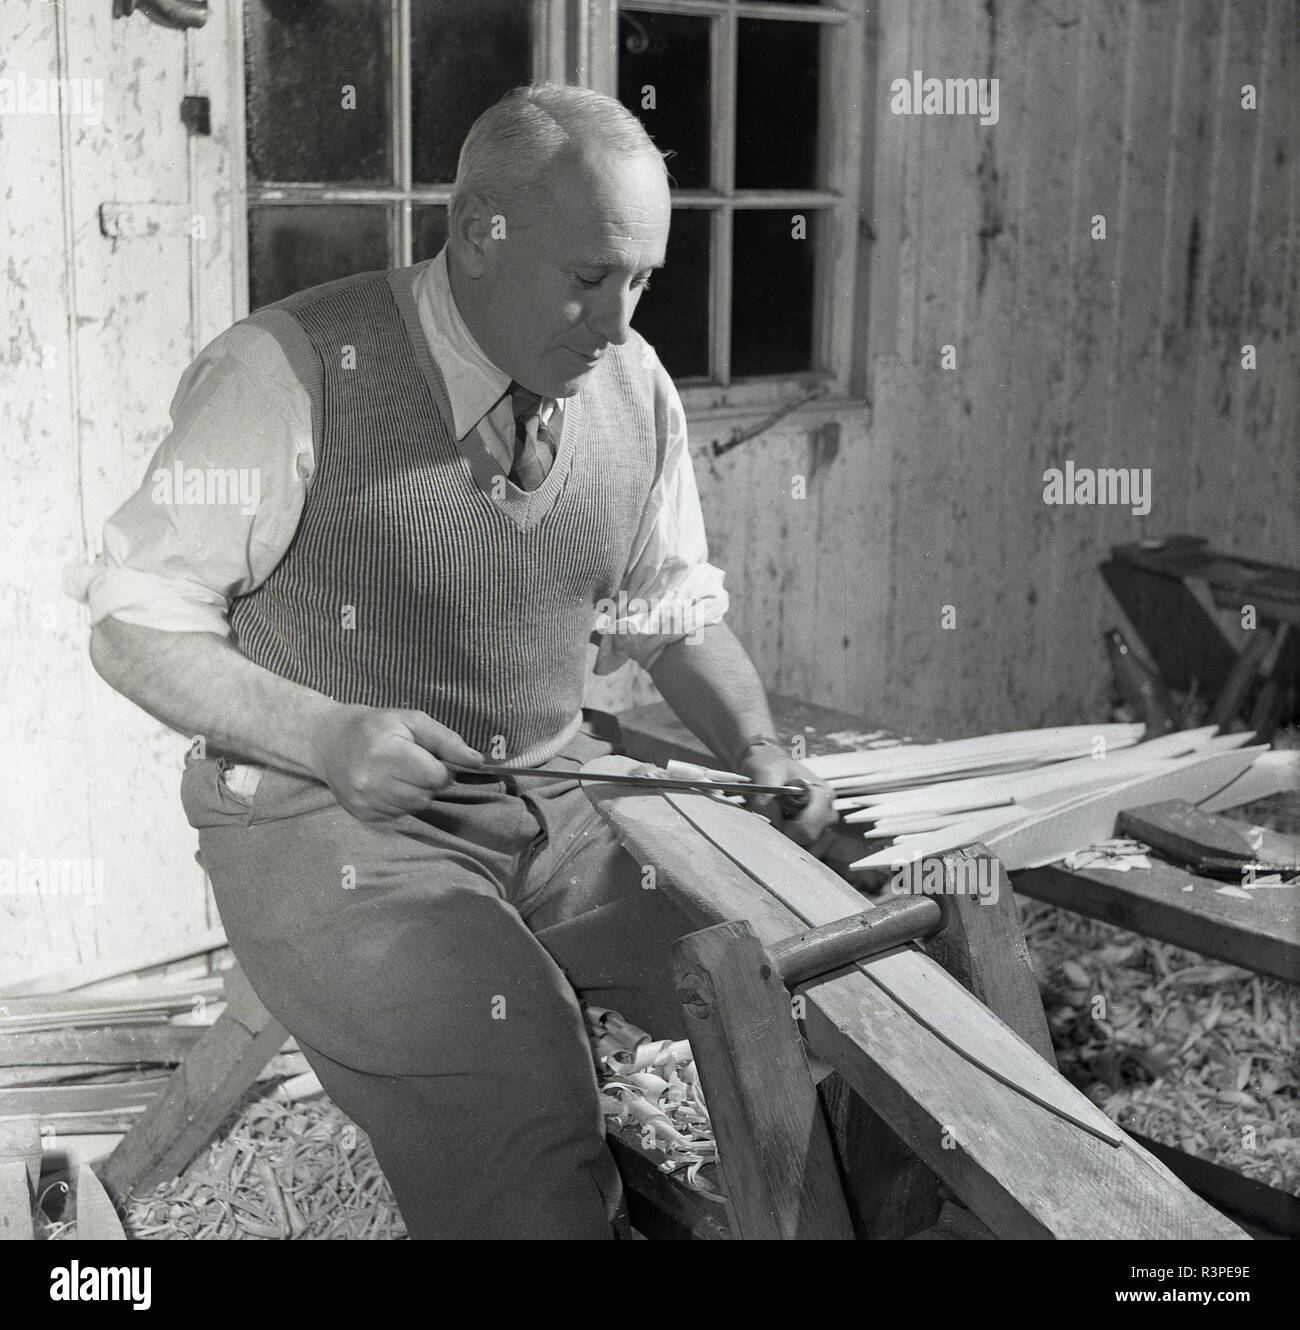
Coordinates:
559	214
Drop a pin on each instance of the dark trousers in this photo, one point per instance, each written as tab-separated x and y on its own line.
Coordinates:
430	967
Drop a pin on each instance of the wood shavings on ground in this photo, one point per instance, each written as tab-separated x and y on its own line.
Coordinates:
275	1170
1191	1052
652	1087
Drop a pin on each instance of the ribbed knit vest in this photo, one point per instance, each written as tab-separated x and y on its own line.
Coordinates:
419	577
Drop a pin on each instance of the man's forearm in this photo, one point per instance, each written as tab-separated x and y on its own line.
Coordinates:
198	684
715	690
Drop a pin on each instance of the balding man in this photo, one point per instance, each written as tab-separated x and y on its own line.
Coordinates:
461	468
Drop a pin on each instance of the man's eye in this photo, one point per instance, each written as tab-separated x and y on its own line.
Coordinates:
641	284
586	281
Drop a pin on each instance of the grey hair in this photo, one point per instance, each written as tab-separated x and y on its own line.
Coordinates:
518	141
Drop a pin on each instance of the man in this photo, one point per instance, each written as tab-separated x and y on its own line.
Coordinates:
457	463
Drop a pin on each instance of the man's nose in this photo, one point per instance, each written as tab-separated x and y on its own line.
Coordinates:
612	317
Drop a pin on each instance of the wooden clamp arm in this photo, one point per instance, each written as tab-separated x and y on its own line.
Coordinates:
857	937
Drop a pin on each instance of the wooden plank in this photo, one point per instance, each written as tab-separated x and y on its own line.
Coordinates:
780	1173
42	1101
199	1094
1058	743
1185	834
983	947
1276	772
1092	819
660	1207
94	972
21	1139
15	1202
97	1219
93	1047
1259	934
1023	1170
1273	1212
890	1193
978	791
1055	823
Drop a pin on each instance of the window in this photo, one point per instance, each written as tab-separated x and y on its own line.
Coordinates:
753	99
355	111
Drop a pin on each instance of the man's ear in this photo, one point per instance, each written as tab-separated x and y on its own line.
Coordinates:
469	229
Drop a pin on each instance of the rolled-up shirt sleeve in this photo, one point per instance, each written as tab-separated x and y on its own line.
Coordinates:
670	590
220	500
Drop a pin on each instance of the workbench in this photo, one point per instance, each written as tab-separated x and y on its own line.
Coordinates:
1259	934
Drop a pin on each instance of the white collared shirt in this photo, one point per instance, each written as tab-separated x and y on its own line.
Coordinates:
176	566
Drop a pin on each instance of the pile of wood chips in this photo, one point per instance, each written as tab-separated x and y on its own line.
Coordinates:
1191	1052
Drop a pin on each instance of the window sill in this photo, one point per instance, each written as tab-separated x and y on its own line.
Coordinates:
727	416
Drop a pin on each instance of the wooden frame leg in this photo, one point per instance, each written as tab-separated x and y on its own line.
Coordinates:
199	1095
777	1163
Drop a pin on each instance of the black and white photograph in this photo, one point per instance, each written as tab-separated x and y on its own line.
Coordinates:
650	620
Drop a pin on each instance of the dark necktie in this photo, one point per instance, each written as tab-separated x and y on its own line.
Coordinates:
534	443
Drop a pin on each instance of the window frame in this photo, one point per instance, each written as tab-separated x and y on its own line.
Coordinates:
576	41
837	204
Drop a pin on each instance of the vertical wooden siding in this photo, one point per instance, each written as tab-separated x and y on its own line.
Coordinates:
1117	353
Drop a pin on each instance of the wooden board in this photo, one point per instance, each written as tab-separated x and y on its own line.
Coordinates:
1092	819
1026	747
95	1047
660	1207
97	1219
15	1202
21	1139
1052	832
781	1180
1275	772
1184	834
198	1094
1026	1172
1030	786
1261	934
47	1101
94	972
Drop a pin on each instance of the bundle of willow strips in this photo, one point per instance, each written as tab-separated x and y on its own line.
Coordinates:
651	1086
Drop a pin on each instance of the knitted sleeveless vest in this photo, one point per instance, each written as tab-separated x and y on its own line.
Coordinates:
418	576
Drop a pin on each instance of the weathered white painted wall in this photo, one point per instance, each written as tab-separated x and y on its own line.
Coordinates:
97	332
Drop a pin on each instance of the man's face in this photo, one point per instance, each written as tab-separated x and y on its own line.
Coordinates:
564	281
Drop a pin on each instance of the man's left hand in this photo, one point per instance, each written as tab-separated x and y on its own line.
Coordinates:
767	764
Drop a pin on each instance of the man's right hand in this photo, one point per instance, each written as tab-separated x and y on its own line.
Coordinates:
381	763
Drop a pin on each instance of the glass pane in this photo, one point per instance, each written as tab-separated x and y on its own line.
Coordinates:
673	315
294	247
776	104
663	78
428	231
465	55
772	294
317	78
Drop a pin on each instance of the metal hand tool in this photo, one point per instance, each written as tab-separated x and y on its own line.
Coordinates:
793	798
